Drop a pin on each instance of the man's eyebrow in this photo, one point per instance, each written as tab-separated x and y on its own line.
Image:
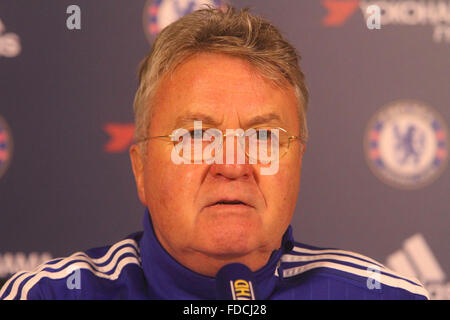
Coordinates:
190	117
264	119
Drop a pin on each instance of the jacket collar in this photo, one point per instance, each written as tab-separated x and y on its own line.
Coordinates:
168	279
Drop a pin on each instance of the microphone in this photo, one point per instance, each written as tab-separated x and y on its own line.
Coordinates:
235	281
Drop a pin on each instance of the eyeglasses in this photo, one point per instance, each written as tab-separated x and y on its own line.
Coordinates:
260	145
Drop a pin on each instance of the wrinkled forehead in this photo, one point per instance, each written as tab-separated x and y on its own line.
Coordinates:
221	90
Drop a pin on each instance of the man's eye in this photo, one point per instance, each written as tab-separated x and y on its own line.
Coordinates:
264	134
197	133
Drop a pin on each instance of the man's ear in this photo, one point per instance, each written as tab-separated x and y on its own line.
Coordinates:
137	163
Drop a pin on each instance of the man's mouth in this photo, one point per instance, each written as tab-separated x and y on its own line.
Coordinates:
232	202
229	204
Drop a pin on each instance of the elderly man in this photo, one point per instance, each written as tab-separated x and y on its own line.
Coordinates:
220	135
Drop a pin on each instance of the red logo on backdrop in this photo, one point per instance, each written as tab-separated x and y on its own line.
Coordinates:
120	137
338	11
6	146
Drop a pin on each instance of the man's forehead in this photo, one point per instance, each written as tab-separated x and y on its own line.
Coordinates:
220	90
213	75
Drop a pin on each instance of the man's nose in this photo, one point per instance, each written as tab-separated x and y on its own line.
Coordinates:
231	171
235	163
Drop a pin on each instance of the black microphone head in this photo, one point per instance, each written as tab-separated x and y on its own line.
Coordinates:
235	281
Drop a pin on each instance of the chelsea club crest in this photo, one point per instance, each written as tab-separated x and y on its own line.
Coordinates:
160	13
6	146
406	144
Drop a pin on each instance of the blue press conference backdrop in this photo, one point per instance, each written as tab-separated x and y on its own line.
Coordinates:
374	176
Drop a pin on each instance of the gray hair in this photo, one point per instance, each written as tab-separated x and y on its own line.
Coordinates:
229	31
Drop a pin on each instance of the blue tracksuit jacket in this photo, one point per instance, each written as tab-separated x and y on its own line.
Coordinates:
139	268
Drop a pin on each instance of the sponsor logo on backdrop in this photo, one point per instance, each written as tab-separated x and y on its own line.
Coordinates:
417	260
397	13
11	263
160	13
9	43
121	136
6	146
406	144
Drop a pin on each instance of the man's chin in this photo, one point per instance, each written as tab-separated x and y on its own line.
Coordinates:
226	243
229	234
221	253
